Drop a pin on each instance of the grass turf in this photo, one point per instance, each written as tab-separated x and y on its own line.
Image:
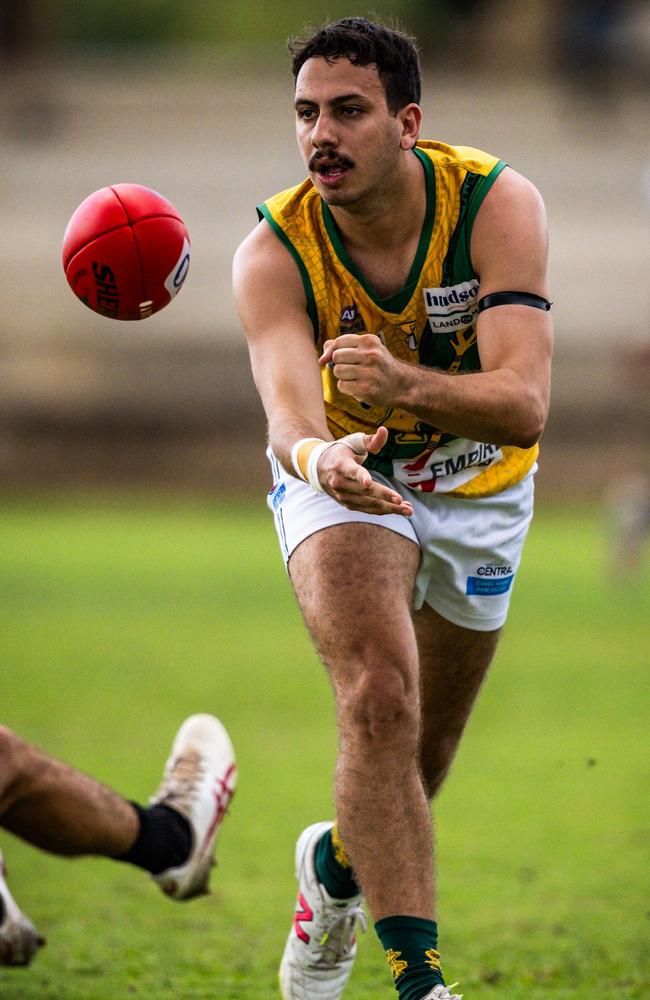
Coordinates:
119	618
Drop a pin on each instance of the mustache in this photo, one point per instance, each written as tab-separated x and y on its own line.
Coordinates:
330	158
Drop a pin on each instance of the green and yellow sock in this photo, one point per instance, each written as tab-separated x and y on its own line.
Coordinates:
333	868
411	946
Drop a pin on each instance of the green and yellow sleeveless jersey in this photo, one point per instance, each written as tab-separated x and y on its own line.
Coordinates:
431	321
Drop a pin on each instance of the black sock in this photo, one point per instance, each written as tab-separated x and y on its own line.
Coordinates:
164	840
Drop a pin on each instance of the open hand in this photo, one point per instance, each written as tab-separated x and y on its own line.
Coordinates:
342	475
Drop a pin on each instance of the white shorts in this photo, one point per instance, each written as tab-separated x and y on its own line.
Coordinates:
470	549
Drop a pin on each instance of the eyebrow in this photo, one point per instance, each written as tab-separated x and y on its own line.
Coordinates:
342	99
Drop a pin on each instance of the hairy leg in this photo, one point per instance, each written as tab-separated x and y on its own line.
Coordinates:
57	808
354	584
453	665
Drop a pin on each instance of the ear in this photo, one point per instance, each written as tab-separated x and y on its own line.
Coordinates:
410	119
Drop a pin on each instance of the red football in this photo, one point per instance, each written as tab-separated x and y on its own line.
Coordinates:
126	251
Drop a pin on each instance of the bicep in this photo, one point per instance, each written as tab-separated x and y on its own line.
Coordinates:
509	243
509	252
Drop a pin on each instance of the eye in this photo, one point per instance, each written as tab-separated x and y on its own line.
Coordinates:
306	114
350	112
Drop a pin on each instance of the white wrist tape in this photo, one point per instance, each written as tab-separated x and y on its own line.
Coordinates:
295	455
353	441
312	463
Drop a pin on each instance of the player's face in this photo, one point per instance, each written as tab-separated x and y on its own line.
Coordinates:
348	138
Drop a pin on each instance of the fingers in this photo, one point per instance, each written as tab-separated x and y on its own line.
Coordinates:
360	444
352	485
354	488
348	357
347	348
328	350
361	366
349	378
369	503
375	442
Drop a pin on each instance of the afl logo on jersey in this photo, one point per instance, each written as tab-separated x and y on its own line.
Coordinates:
351	321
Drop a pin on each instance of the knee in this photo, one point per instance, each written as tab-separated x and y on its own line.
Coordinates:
382	709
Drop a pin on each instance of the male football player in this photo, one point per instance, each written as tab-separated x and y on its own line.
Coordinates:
396	310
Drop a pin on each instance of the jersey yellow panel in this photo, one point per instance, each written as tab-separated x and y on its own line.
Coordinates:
431	321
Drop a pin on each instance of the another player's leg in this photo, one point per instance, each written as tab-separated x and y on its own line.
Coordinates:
19	939
56	807
361	624
59	809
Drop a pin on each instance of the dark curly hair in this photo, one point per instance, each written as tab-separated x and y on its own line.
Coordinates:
367	43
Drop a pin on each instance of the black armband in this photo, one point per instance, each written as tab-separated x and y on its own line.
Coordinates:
513	299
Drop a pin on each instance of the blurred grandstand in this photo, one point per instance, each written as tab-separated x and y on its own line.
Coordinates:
201	111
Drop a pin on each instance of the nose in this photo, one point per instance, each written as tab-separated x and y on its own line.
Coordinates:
323	133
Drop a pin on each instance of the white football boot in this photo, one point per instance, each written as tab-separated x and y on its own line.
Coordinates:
442	993
199	782
321	946
19	939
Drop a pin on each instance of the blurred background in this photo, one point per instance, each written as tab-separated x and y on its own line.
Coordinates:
194	100
140	578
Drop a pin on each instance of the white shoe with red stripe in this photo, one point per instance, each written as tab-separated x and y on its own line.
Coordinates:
199	782
321	946
19	939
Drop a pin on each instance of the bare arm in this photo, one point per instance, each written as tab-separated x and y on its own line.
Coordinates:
272	306
507	402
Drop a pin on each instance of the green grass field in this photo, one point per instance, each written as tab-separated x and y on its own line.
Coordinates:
121	617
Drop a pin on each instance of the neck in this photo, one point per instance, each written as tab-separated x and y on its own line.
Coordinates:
388	217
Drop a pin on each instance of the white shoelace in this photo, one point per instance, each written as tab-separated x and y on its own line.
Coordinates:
336	941
446	995
183	779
